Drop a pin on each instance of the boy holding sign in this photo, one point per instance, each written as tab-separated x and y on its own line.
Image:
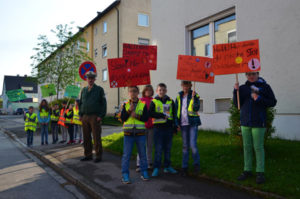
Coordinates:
187	119
162	110
134	115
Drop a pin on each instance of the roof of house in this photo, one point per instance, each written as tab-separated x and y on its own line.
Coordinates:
17	82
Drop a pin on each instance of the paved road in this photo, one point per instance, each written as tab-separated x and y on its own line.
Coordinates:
21	177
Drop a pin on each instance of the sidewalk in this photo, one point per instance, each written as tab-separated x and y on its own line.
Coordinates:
103	180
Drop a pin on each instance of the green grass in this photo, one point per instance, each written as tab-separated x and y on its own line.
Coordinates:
108	120
222	158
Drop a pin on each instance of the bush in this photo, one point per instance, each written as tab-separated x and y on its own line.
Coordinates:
235	125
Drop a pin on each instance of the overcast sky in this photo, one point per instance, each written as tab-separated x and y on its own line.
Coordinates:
21	21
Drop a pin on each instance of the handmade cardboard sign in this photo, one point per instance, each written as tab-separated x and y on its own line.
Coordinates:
16	95
125	72
72	91
195	68
48	90
238	57
144	54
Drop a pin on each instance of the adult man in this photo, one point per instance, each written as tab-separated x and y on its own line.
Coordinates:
92	109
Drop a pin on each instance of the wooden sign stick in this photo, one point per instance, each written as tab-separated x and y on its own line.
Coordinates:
238	92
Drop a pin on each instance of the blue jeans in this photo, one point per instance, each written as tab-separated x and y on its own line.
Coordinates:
77	130
29	137
54	131
44	133
163	143
189	140
127	150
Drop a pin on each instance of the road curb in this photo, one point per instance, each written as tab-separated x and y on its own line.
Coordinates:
64	171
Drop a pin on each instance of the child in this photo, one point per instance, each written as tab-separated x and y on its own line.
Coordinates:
147	98
69	115
61	122
54	125
162	111
134	115
44	119
31	120
77	122
187	107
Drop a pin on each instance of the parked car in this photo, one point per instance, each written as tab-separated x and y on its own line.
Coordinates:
19	111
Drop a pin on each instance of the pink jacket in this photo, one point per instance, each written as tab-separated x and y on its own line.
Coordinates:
149	123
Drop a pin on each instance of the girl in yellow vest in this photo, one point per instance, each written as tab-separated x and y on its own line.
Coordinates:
69	122
44	119
31	121
134	115
77	123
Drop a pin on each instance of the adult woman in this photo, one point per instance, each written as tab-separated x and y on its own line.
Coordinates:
44	119
255	97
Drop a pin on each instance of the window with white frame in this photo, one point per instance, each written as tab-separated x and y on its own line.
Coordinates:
222	105
221	30
143	41
104	75
78	44
143	20
87	47
104	50
104	27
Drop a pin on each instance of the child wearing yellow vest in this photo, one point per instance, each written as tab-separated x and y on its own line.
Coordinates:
77	123
134	115
162	110
69	123
31	121
44	119
54	126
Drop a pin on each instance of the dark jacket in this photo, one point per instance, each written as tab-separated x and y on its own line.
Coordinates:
125	115
154	114
253	113
193	120
92	102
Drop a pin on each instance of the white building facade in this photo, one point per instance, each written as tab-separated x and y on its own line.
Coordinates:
192	27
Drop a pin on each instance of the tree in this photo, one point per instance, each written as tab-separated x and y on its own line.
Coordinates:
58	62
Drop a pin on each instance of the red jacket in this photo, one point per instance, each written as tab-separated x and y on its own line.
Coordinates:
149	123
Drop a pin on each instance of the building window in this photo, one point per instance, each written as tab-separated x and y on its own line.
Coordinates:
201	105
104	27
143	41
96	30
104	75
143	20
25	88
104	51
87	47
78	45
218	31
96	52
223	105
232	36
200	38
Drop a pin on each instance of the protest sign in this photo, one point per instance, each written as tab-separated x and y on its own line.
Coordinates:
72	91
48	90
144	54
195	68
125	72
16	95
238	57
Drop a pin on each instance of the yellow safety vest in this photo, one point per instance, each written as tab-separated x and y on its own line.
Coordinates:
44	114
131	122
53	117
76	116
68	120
191	112
31	125
159	108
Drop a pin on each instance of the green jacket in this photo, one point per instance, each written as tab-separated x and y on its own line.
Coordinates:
92	102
